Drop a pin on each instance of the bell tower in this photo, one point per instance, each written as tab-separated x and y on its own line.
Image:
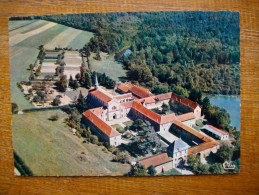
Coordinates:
96	84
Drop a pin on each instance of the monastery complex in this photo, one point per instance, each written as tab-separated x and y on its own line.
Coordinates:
128	102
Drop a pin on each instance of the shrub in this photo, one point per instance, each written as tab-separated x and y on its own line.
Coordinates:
14	108
54	117
94	139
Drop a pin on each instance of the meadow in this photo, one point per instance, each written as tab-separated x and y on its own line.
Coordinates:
49	148
108	66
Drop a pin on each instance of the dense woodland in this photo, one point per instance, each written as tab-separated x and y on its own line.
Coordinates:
170	50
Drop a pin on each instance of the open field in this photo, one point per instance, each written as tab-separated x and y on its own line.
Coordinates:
108	66
24	39
49	148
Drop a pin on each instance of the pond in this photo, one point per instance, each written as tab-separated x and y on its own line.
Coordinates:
231	104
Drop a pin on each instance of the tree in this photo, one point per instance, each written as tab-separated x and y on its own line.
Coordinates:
14	108
122	157
193	161
216	168
224	153
206	104
138	170
165	108
146	140
151	170
77	76
98	55
32	76
71	82
85	52
81	103
75	116
181	91
56	101
62	83
196	95
88	80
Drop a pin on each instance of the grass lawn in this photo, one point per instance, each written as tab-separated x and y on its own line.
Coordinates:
128	123
48	148
108	66
118	127
25	52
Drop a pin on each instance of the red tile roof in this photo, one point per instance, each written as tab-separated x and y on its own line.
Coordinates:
100	124
100	95
202	147
156	160
192	131
127	104
141	92
167	118
123	87
184	101
160	119
164	96
218	130
138	91
186	117
97	111
123	96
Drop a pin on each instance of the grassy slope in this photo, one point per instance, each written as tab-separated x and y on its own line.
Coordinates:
49	148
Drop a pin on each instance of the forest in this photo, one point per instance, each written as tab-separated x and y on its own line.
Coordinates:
170	51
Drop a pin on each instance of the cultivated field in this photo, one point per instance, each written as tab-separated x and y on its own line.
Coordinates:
49	148
24	39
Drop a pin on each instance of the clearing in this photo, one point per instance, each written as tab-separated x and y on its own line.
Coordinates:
108	66
48	148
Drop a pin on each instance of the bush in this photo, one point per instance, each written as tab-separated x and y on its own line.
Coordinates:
54	117
94	139
14	108
121	157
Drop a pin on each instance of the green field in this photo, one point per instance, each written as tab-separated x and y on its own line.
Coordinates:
24	51
108	66
49	148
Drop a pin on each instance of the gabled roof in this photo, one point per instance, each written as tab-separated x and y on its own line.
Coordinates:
97	111
192	131
178	145
156	160
138	91
202	147
186	117
100	124
123	87
167	118
100	95
184	101
164	96
215	130
160	119
123	96
127	104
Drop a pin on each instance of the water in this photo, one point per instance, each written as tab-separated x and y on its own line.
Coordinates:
231	104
